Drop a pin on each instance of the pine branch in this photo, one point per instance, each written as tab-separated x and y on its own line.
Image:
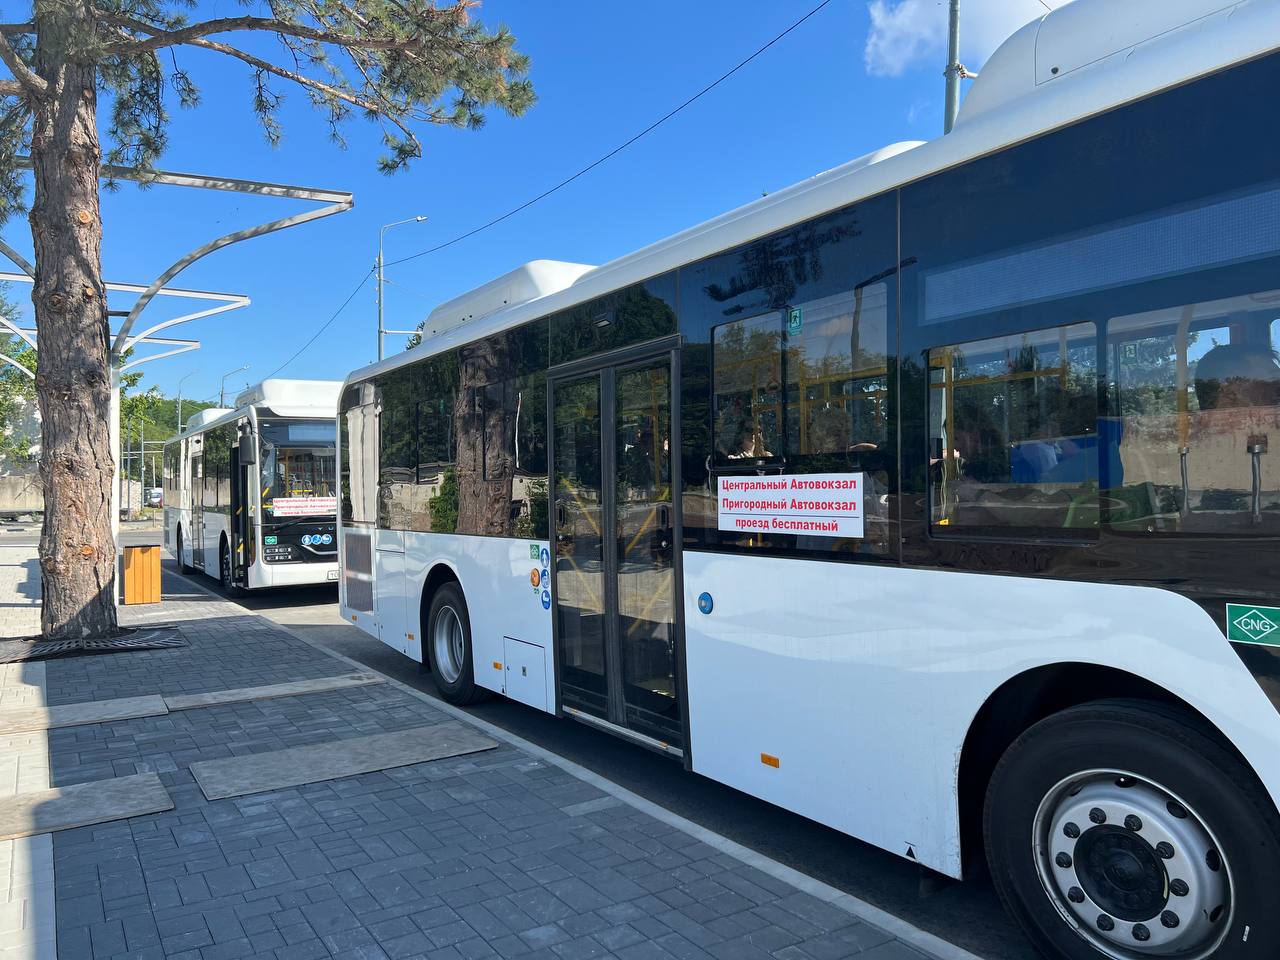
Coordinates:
30	81
259	64
9	29
11	88
159	38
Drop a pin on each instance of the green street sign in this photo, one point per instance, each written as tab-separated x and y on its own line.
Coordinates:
1247	623
269	541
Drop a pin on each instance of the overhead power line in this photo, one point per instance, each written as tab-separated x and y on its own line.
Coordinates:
559	186
615	151
324	326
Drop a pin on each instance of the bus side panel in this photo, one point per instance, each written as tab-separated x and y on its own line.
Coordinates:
507	598
843	692
216	526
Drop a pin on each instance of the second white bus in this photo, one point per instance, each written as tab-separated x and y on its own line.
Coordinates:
249	493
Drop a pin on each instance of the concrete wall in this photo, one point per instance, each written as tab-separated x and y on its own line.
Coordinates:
20	492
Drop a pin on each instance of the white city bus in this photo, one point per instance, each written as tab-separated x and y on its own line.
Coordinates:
249	493
930	498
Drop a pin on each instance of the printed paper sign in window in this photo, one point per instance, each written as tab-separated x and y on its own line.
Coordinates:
814	504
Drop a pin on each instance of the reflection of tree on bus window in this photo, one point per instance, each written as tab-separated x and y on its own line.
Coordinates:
1238	375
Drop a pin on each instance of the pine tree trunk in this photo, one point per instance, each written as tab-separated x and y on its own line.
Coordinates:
73	385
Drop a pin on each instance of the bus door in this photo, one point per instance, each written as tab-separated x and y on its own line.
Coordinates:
241	529
197	510
615	575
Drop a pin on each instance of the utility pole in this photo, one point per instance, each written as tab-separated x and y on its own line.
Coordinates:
382	331
954	70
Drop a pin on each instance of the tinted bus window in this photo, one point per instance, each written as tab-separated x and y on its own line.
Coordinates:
1141	226
786	371
1197	392
1014	433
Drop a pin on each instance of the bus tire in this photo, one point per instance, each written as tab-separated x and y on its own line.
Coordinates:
1125	829
448	642
183	566
225	576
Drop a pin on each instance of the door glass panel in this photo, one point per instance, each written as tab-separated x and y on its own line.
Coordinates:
197	510
579	544
646	579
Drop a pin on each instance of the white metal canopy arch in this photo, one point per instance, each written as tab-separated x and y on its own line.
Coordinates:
124	340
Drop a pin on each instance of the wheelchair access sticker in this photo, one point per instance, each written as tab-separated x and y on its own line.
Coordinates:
1247	623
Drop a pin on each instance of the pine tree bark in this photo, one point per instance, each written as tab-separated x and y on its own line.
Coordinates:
73	383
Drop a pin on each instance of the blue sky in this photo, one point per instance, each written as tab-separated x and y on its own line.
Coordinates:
854	77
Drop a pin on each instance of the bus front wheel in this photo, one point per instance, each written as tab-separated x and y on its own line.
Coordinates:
1124	830
448	642
226	572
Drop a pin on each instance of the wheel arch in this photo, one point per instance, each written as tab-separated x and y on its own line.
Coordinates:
1022	701
441	572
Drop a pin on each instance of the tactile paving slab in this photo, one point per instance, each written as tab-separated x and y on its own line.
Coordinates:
278	769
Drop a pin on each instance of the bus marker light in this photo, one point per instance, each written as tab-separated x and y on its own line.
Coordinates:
353	618
769	760
497	665
410	636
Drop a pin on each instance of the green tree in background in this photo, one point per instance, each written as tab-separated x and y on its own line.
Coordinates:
398	63
17	390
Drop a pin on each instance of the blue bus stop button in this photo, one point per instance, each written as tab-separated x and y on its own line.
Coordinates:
705	603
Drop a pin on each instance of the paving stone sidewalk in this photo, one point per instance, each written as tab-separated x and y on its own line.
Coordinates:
497	854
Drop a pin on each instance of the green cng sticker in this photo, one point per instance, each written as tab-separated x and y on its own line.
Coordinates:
269	541
533	551
1250	624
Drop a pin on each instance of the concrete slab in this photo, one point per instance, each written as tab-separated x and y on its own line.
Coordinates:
191	701
238	776
25	719
82	804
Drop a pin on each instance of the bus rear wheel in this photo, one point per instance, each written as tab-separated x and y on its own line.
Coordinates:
448	643
1125	830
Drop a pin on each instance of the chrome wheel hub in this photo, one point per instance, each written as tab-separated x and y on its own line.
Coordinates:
449	644
1132	868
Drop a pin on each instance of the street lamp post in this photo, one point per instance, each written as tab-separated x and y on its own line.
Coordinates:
222	386
381	232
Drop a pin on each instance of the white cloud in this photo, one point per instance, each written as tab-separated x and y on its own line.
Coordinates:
908	33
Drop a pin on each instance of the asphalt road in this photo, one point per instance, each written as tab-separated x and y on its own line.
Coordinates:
28	534
967	914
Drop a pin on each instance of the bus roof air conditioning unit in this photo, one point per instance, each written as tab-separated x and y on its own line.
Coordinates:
198	420
532	281
1076	36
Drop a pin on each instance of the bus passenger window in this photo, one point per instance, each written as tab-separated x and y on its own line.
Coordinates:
1014	434
748	389
1195	390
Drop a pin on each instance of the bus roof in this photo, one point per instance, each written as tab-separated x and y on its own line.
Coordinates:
1082	59
298	399
293	398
